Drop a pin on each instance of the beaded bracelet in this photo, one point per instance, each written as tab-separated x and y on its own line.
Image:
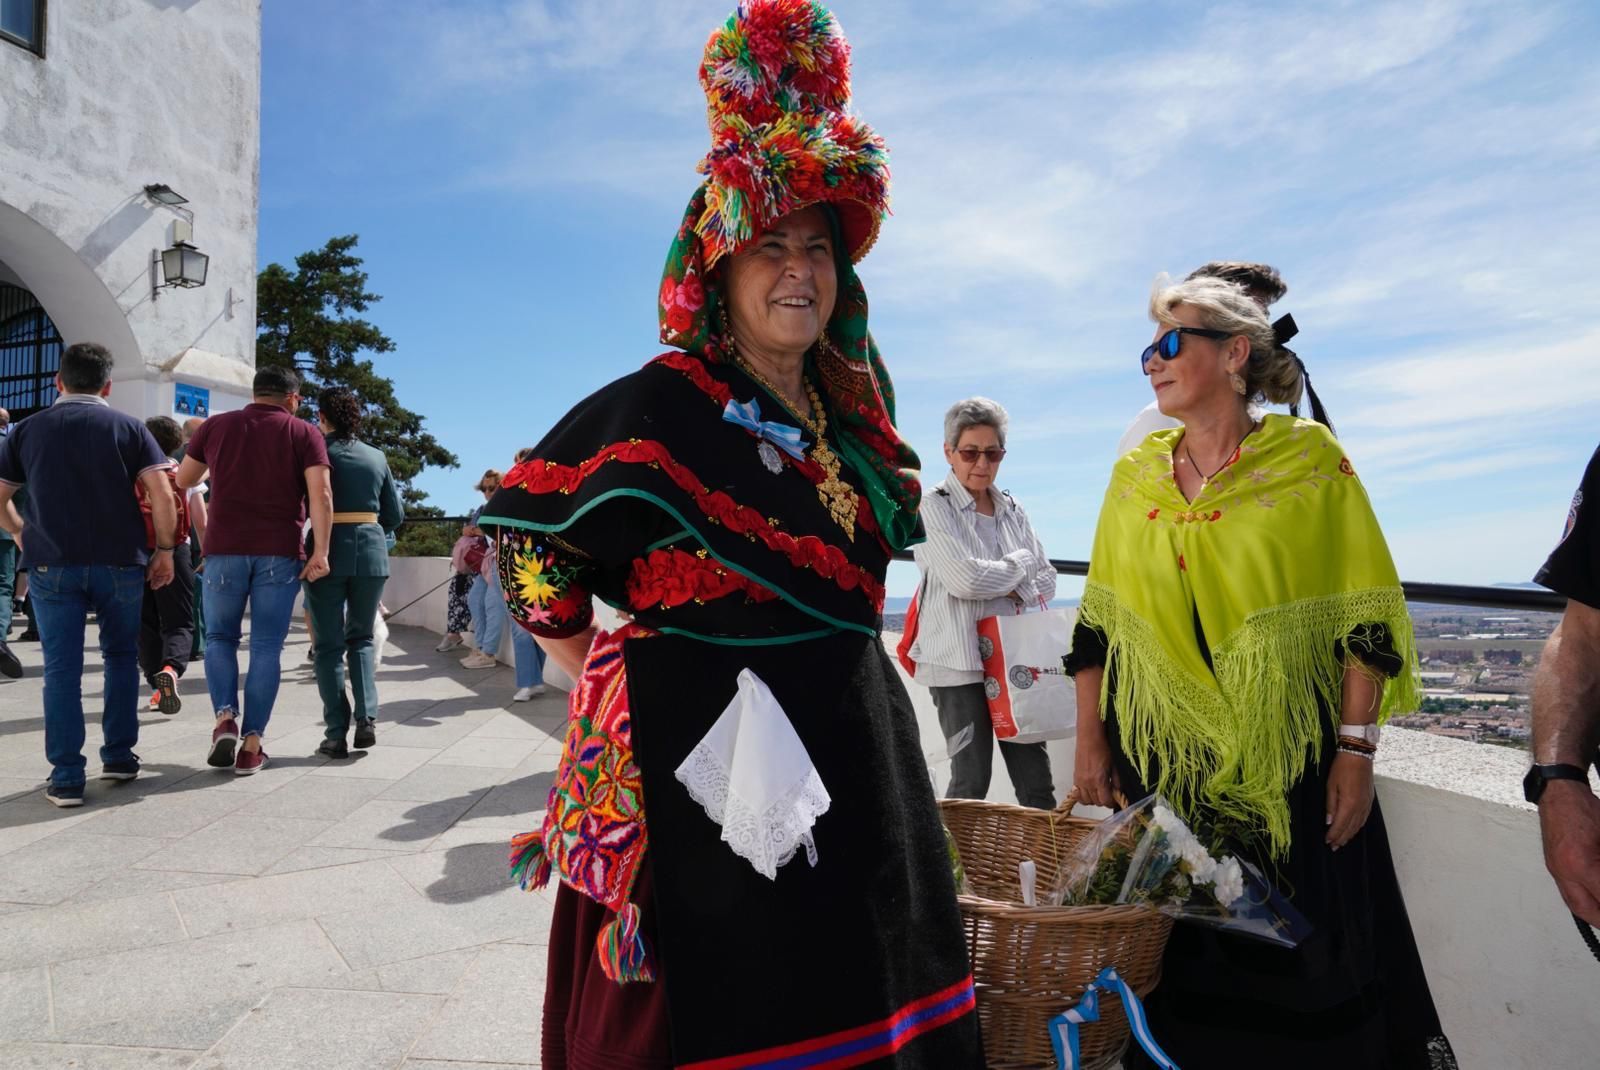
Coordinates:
1369	755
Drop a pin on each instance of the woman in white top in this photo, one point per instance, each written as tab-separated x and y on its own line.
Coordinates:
981	559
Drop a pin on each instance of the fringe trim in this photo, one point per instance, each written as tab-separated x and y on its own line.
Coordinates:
530	863
624	956
1239	745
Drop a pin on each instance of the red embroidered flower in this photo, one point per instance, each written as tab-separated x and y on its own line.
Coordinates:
1183	566
1152	514
679	319
1345	466
692	295
669	291
1216	515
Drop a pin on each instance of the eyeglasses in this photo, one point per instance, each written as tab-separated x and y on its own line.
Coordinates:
970	454
1169	344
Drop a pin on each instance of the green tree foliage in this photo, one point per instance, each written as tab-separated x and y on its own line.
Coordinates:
309	319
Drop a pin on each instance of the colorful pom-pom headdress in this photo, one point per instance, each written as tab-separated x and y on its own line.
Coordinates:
777	82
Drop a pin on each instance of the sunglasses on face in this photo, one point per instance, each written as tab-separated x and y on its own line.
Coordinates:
970	454
1170	343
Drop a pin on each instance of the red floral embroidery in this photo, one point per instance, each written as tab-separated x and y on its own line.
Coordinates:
668	578
1216	515
1183	566
1152	514
806	551
1345	466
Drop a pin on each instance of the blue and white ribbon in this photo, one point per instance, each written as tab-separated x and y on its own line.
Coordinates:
1064	1027
747	414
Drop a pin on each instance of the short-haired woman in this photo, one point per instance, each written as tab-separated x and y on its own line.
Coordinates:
1242	633
344	604
981	559
484	598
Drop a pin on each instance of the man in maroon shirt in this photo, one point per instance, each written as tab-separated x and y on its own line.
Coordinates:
265	465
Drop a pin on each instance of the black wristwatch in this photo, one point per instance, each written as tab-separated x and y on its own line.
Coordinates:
1533	784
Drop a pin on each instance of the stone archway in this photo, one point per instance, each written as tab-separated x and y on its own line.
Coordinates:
81	307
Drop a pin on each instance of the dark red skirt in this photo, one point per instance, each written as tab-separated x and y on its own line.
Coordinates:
590	1021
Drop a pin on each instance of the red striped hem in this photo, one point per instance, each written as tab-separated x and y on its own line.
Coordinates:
861	1044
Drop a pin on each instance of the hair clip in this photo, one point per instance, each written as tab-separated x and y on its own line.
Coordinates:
1284	328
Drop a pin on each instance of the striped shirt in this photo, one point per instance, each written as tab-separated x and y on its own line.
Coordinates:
961	577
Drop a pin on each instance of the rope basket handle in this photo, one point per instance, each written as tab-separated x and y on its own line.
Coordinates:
1071	801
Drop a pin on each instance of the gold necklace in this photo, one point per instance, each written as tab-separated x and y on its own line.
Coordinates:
835	494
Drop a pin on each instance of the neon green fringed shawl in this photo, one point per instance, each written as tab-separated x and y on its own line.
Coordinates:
1282	559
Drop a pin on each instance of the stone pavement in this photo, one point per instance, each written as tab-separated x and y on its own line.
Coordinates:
317	916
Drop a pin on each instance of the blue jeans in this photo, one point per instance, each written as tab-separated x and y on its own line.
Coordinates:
62	598
269	584
529	657
488	614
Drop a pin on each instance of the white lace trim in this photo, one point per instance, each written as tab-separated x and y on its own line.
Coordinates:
768	839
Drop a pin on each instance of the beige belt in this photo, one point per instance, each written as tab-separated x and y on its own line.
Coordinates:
355	518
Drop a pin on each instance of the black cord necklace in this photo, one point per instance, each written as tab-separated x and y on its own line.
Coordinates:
1206	479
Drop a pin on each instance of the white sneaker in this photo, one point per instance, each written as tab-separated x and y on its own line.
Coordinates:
525	693
449	643
478	660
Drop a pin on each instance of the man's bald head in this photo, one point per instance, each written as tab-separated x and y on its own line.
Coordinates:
191	425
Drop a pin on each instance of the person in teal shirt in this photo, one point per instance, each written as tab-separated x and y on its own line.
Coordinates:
344	604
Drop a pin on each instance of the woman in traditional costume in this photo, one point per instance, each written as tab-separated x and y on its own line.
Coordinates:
1242	635
752	870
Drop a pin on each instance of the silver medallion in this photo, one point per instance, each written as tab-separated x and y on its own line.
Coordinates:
769	456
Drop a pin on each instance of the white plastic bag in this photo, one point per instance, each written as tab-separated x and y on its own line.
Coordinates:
1031	698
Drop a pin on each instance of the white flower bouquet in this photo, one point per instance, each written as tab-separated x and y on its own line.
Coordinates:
1147	855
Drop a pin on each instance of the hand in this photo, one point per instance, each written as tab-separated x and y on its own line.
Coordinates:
1350	796
159	572
316	568
1093	774
1569	820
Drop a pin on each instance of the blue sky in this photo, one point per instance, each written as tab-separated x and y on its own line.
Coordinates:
1423	174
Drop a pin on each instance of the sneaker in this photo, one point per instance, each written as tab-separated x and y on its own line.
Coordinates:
334	748
124	770
224	738
249	762
449	643
155	703
478	660
9	665
366	735
525	693
167	691
63	797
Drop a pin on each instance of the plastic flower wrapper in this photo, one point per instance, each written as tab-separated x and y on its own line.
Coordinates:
1148	856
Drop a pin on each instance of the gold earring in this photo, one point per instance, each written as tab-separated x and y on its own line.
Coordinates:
1237	382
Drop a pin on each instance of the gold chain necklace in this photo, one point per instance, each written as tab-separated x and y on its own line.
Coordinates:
838	496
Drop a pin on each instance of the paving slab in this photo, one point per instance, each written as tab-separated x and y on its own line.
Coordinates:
325	1030
235	844
130	882
491	753
458	872
428	926
395	824
494	1015
314	798
251	904
515	725
171	814
427	733
187	995
25	1004
303	858
379	763
95	1057
52	869
39	937
436	783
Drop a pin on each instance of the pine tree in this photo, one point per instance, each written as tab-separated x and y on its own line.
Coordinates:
309	319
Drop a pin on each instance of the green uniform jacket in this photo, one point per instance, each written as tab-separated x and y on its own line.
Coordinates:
362	483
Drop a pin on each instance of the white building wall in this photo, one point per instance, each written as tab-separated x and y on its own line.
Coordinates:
131	92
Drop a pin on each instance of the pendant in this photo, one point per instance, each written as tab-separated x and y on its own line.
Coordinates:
770	458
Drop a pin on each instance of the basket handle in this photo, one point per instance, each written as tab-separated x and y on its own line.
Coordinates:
1071	801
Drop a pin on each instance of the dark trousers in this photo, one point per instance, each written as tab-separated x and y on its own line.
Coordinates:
166	621
971	767
344	611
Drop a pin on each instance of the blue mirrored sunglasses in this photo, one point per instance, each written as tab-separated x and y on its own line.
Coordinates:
1169	344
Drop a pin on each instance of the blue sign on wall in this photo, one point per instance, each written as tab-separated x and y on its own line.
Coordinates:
191	400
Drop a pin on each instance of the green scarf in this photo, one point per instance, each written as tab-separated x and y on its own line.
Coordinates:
1281	559
850	374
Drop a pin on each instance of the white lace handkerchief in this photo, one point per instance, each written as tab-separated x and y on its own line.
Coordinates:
754	778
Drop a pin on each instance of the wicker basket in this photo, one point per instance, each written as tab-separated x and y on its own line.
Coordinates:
1031	963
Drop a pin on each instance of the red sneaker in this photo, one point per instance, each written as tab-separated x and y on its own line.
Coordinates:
155	703
167	691
249	762
223	740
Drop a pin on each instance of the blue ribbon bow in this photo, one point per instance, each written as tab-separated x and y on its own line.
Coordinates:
747	414
1064	1027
